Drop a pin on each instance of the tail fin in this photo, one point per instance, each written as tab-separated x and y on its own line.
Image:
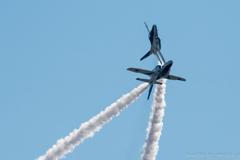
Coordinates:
146	55
150	90
147	27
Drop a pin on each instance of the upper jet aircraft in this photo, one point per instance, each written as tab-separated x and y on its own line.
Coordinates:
155	44
157	73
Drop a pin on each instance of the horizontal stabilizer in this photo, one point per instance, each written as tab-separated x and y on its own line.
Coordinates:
162	57
147	80
172	77
158	83
143	80
138	70
146	55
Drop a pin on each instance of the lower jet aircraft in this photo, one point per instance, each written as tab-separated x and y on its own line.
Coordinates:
155	43
159	72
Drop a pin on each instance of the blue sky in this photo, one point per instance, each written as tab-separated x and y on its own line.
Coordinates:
62	62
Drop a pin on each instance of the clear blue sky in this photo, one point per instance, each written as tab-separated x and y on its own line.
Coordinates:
62	62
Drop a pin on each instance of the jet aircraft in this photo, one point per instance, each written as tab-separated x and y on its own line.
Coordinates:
159	72
155	44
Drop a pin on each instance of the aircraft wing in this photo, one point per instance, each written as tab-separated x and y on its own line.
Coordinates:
172	77
138	70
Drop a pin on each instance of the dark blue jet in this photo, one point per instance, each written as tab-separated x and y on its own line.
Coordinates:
155	44
159	72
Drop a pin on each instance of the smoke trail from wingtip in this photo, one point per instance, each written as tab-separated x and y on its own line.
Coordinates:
88	129
155	125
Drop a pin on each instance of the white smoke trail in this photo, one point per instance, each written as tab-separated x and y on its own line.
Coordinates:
88	129
155	125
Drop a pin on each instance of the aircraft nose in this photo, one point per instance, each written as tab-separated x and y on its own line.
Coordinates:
155	27
170	63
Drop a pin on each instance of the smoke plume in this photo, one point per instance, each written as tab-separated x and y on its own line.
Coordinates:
88	129
155	125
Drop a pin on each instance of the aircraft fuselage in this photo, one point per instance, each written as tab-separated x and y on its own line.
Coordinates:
162	72
154	39
155	44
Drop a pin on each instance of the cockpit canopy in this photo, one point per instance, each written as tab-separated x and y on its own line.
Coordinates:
157	68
